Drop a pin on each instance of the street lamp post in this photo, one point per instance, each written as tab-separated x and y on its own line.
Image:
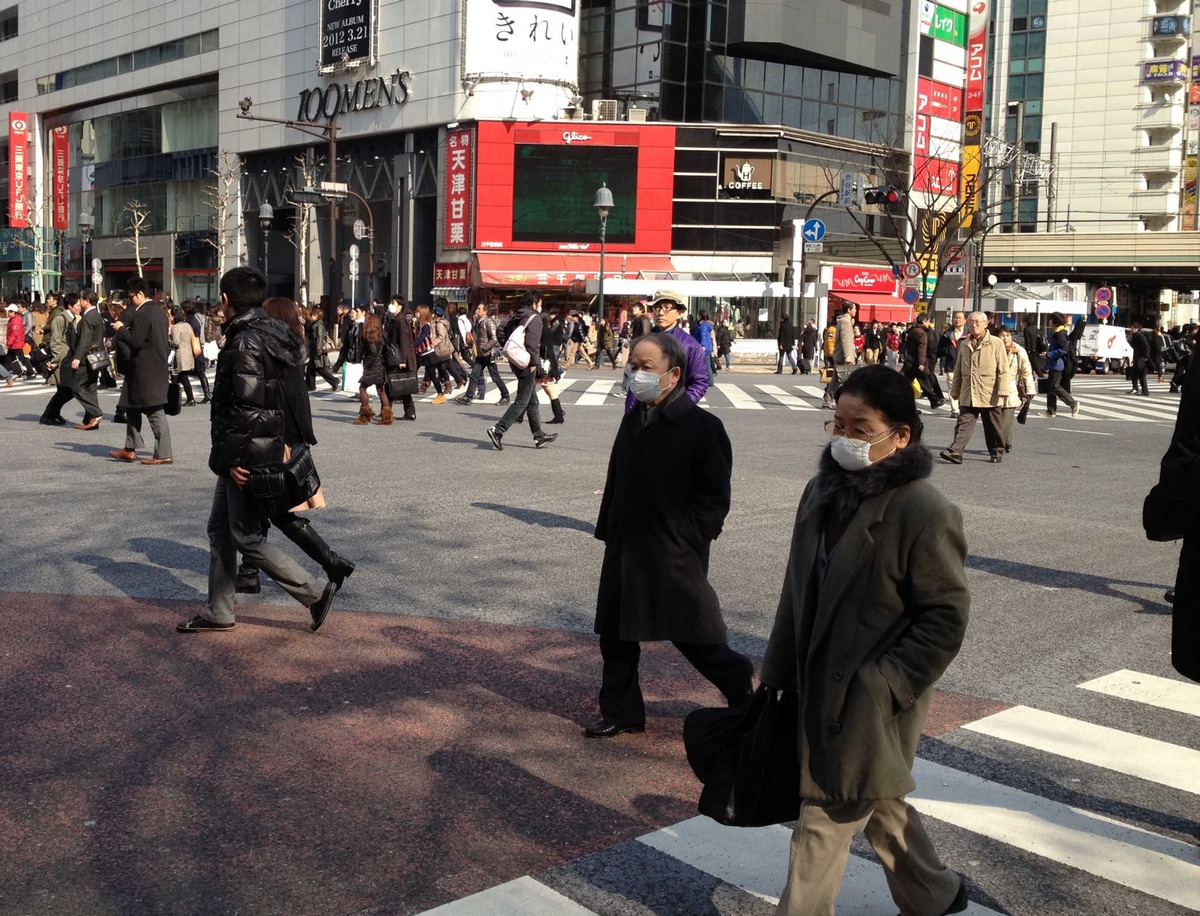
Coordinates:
266	216
603	204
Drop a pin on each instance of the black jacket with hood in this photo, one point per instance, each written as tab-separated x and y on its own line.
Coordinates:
259	398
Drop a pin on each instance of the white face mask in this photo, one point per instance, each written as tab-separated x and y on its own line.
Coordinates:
646	385
853	454
393	308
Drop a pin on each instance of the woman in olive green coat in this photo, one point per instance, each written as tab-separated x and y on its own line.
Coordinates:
874	608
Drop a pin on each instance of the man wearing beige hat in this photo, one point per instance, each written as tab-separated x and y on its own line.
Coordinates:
668	308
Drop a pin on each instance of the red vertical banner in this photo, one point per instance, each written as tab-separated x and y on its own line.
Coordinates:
18	170
459	188
977	35
60	159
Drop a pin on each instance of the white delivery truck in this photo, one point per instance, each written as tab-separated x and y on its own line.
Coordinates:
1101	343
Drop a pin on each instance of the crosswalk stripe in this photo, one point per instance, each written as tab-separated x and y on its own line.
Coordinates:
739	398
812	391
596	395
1142	406
1099	745
786	398
1088	408
1150	689
521	897
1125	854
756	860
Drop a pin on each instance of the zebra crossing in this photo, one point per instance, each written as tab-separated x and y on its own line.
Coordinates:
1104	399
1098	852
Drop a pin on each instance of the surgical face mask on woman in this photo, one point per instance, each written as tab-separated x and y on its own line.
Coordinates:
646	385
855	454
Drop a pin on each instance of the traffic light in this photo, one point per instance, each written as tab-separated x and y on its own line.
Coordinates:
789	277
885	196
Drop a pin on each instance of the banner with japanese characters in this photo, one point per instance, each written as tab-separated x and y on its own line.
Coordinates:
459	189
18	170
60	161
522	40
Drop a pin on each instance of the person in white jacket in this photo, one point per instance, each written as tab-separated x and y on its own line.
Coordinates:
1022	388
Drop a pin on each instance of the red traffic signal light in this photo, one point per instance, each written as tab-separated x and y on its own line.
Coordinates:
886	196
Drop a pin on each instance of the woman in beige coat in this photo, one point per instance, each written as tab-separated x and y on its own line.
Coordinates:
873	610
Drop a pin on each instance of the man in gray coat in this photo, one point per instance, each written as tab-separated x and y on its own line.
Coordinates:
845	356
89	338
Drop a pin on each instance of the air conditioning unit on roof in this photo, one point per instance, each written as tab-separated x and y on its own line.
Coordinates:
635	114
605	109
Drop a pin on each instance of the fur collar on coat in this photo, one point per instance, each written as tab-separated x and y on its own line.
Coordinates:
841	492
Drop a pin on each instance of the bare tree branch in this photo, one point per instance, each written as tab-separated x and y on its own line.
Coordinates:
221	197
137	221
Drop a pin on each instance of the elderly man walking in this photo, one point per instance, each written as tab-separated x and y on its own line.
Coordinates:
654	578
982	377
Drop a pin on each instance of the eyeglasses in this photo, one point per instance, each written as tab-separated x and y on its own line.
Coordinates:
833	428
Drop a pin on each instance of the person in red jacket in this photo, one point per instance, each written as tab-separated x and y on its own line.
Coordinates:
15	341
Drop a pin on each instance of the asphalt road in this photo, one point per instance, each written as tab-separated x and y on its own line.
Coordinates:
1065	587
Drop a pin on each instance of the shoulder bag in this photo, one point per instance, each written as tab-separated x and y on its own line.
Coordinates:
1169	511
514	348
97	360
174	397
747	760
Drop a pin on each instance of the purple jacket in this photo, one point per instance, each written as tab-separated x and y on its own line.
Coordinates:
695	379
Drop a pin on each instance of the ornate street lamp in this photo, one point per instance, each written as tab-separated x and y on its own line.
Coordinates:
266	216
603	204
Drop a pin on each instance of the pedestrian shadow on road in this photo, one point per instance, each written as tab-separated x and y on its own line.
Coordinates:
538	518
1105	586
480	444
93	448
171	554
131	578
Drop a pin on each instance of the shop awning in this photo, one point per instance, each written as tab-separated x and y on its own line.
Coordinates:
558	269
881	307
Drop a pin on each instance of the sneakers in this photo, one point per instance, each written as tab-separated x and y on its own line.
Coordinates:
1075	408
502	402
495	435
543	440
952	457
1047	413
464	400
618	394
201	624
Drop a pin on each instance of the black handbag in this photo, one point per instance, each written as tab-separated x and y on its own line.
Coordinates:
391	355
174	398
401	386
747	760
97	360
40	355
1169	511
277	488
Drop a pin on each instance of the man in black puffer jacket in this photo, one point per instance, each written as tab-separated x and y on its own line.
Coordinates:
259	404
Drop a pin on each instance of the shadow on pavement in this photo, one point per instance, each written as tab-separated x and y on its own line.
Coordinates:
538	518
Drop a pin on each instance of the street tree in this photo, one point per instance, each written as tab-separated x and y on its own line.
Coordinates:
221	197
135	219
302	229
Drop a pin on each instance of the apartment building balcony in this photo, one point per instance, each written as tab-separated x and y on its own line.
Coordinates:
1158	159
1165	116
1155	202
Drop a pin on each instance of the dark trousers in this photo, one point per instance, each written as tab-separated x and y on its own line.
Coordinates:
1055	390
621	700
61	397
312	370
1139	379
1007	415
965	425
182	375
525	403
929	387
84	388
477	386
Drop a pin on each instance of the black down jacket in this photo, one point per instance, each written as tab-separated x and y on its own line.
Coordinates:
261	365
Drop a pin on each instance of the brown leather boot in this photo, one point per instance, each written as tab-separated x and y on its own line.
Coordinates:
385	418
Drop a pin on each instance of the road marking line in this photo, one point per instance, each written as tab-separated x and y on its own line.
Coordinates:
522	897
789	400
1089	407
756	860
1082	432
1098	745
1162	692
1141	406
739	398
542	397
597	395
812	391
1128	855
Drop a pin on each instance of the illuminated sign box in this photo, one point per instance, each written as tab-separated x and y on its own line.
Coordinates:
1158	71
1171	25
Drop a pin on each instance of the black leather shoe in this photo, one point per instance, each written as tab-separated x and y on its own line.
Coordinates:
53	421
604	729
248	584
952	457
320	610
545	439
559	419
201	624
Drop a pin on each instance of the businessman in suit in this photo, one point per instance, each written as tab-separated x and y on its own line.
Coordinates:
89	337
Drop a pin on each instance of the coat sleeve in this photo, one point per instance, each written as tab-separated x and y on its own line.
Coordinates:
712	470
697	372
938	604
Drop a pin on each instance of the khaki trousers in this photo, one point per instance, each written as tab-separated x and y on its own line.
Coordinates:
920	884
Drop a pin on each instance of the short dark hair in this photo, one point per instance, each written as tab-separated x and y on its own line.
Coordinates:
69	299
1057	318
137	285
887	391
671	348
88	296
245	288
531	297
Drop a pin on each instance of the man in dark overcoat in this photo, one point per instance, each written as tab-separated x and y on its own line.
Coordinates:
654	579
142	340
89	338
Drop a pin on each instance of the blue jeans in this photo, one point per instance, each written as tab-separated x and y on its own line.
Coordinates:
477	385
790	358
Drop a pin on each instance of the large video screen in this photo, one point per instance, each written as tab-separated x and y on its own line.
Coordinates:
554	188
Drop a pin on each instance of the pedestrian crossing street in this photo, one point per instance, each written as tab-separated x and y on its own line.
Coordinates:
1103	398
1100	855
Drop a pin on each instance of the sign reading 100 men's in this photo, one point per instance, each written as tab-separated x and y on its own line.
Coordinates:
347	33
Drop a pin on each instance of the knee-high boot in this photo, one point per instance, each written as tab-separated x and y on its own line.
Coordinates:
556	408
301	532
